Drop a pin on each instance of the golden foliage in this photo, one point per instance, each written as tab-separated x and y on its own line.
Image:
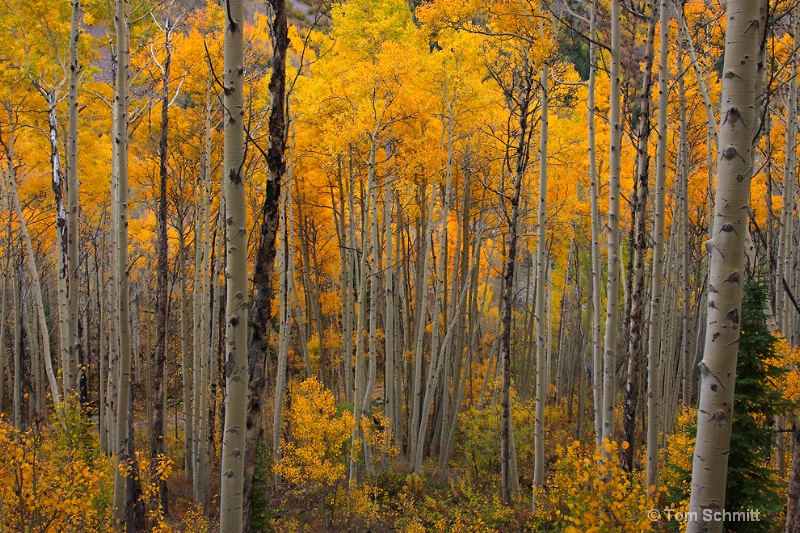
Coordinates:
48	485
314	455
590	492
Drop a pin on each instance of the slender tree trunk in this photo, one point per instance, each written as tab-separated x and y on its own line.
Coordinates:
612	304
16	406
785	247
686	362
157	444
635	343
655	338
509	492
236	365
422	303
375	269
112	258
260	313
34	272
185	366
6	272
126	489
793	504
718	368
123	487
541	269
389	317
73	208
62	239
597	325
284	334
430	387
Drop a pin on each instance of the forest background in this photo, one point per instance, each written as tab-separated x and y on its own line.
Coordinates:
456	272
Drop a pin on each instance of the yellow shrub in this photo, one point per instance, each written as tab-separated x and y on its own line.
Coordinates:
590	494
46	486
314	456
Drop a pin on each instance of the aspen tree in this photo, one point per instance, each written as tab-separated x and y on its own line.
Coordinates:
112	257
519	164
683	146
726	245
185	367
4	289
612	303
120	167
375	268
123	487
414	435
57	171
16	406
594	193
203	309
541	322
73	207
636	318
655	337
389	316
157	444
782	304
435	364
264	264
9	146
284	317
236	367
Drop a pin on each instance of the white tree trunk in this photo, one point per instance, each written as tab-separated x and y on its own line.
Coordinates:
612	304
597	311
34	272
718	368
236	368
541	270
73	209
120	168
654	339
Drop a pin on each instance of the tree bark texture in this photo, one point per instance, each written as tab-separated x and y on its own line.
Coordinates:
726	276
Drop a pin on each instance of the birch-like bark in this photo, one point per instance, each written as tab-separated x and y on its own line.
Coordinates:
33	271
718	368
683	147
612	303
16	406
653	359
6	272
375	268
236	364
640	213
186	374
435	364
361	324
123	487
157	443
284	318
112	392
389	317
541	270
597	325
783	305
422	303
72	207
57	172
507	464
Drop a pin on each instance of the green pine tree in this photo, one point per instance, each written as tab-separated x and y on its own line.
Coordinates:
753	483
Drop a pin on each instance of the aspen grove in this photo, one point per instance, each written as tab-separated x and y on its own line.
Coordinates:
399	265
